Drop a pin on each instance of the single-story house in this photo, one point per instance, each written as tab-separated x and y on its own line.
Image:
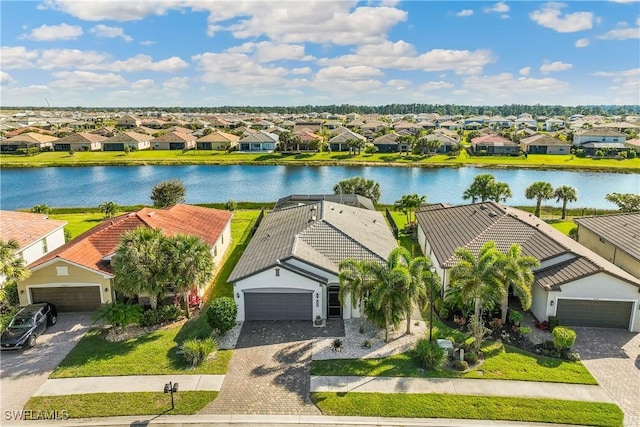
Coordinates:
28	140
633	144
78	276
128	121
80	141
551	125
175	140
261	141
573	283
133	140
494	145
388	143
217	140
614	237
340	142
308	140
446	142
544	144
36	234
289	270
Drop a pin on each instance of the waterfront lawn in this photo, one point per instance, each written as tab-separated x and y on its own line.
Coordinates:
501	362
564	226
469	407
120	404
78	223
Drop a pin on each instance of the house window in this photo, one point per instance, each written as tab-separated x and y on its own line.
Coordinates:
62	271
215	251
277	272
45	248
222	239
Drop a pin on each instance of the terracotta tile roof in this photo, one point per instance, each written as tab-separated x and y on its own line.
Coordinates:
174	136
90	248
26	228
32	138
599	132
128	137
621	230
491	139
218	136
82	137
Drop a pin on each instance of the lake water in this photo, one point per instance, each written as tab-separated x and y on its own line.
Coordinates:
129	185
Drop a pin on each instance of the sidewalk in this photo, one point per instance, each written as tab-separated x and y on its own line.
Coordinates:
126	384
478	387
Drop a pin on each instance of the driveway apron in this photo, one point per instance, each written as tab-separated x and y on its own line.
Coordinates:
23	372
269	370
613	358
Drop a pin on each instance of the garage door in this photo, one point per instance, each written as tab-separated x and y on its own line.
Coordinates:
81	298
601	314
278	306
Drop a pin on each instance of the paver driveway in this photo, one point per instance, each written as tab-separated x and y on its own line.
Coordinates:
613	358
23	372
269	370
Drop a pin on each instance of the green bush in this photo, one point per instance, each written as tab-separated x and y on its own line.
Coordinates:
429	354
460	365
221	314
515	317
119	314
468	343
524	330
471	358
162	314
554	322
6	317
231	205
632	154
195	351
9	295
563	337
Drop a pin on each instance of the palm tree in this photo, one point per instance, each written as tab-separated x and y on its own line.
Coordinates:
567	194
500	192
364	187
478	278
516	271
356	280
480	188
109	209
416	290
11	265
189	265
539	190
139	264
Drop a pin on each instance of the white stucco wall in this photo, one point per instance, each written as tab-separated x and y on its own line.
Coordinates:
34	251
540	302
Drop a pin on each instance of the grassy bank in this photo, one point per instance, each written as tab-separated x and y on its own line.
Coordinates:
168	157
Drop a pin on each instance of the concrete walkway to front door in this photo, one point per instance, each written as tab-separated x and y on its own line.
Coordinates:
269	370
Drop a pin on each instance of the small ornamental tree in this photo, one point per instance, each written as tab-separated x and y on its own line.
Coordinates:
168	193
221	314
563	338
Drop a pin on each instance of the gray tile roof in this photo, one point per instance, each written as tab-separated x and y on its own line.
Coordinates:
473	225
621	230
321	234
542	139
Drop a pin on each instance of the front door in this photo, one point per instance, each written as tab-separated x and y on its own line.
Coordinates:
334	308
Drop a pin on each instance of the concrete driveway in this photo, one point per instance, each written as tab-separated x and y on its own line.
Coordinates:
23	372
613	358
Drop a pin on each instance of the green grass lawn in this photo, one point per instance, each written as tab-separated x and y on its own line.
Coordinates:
78	223
119	404
212	157
469	407
563	226
501	362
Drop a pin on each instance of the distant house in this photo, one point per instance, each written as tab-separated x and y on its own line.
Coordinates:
407	126
261	141
217	140
133	140
36	234
128	122
494	145
633	144
551	125
340	142
451	125
28	140
78	275
80	141
613	237
592	140
544	144
309	125
174	141
446	142
309	141
389	143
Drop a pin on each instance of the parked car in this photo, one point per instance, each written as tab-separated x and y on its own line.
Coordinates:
29	323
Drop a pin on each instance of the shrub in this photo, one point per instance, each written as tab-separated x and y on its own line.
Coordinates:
495	323
452	339
337	344
9	295
553	323
524	330
515	317
468	343
563	337
231	205
5	318
428	354
632	154
119	314
460	365
366	344
221	314
443	313
195	351
162	314
471	358
370	149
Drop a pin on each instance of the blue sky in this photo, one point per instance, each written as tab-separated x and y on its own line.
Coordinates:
212	53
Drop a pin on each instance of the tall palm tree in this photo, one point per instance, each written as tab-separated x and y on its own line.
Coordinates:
12	266
539	190
356	281
480	188
189	265
500	192
416	291
566	193
477	277
139	264
516	271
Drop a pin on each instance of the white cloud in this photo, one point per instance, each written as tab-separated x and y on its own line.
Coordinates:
142	62
238	69
525	71
582	42
403	56
176	83
6	79
550	16
623	32
269	52
143	85
625	85
399	84
70	58
16	57
110	32
49	33
553	67
102	10
505	86
301	70
147	43
436	85
86	80
631	73
500	7
465	12
29	90
343	80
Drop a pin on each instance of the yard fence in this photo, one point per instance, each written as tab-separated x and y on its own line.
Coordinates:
394	227
257	223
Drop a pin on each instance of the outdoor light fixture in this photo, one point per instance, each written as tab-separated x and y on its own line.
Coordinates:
171	388
238	295
551	303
